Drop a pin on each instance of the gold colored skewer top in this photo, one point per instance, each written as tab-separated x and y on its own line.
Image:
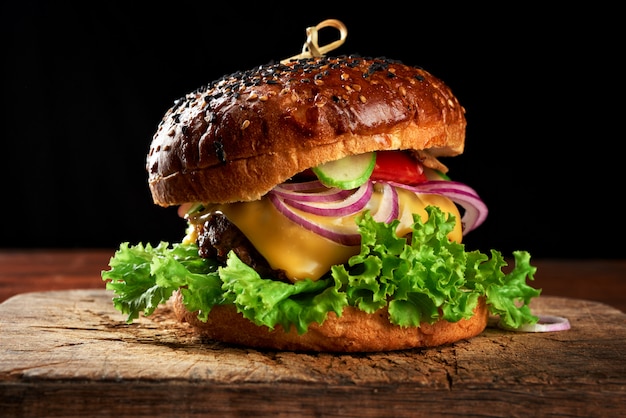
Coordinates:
311	48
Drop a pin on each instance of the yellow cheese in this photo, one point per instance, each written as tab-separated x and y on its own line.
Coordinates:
304	254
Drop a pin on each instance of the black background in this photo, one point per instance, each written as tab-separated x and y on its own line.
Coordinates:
85	86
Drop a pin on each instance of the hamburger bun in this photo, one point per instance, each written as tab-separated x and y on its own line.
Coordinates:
238	137
354	331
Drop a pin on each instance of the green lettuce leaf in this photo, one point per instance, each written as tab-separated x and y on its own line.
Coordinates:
431	277
425	279
143	277
269	302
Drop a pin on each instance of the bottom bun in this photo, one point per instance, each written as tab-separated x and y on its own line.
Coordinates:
354	331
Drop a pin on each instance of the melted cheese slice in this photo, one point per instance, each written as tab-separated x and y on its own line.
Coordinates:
303	254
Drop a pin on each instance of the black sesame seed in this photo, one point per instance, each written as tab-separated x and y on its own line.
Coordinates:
219	150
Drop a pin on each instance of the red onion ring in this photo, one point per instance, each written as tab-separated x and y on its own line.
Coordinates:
336	235
313	194
546	323
475	210
313	197
355	202
389	209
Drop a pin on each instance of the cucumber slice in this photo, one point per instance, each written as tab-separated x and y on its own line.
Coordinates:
348	172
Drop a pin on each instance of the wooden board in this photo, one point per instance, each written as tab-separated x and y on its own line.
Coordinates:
70	353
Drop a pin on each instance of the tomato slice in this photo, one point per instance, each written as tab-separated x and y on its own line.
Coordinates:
398	166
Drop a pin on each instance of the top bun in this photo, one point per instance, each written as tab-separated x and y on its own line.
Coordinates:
238	137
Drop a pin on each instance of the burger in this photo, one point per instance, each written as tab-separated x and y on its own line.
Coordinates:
319	215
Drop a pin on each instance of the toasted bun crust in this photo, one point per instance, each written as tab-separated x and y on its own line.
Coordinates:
238	137
354	331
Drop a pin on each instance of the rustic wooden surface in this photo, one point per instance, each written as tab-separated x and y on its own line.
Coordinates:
69	353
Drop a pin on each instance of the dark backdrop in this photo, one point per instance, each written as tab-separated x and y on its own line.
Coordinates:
85	86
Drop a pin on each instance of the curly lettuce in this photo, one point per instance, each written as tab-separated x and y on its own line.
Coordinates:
421	279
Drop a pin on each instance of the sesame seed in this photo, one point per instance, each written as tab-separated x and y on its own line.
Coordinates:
245	124
219	150
253	96
344	76
402	91
362	98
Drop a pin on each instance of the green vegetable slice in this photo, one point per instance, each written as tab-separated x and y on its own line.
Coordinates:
348	172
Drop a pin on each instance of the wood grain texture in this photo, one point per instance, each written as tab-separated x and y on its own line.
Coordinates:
69	353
